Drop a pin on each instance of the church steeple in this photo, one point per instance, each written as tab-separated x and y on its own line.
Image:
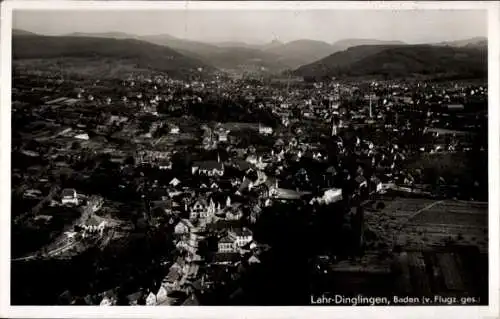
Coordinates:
334	126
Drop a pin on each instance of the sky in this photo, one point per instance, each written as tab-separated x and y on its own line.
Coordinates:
411	26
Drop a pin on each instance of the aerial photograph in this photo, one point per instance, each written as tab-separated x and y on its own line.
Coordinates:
249	157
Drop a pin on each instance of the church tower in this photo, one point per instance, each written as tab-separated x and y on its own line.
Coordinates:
335	126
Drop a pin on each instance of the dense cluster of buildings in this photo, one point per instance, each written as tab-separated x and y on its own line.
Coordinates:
329	143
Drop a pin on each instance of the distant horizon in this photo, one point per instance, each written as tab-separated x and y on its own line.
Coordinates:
261	27
241	41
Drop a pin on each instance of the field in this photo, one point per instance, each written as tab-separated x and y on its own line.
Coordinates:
104	68
424	224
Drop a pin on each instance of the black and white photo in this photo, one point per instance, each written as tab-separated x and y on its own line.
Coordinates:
178	156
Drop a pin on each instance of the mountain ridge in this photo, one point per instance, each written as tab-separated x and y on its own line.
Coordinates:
142	54
275	56
399	61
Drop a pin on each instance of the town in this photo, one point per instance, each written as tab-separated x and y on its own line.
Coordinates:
149	190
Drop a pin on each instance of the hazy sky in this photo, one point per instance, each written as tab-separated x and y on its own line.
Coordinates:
263	26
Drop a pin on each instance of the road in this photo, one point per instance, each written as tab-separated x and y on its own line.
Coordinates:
63	243
419	211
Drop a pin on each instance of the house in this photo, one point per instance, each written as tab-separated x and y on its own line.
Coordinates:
255	213
199	207
202	209
376	184
83	136
208	168
214	185
242	236
252	159
271	186
332	195
184	226
228	201
266	130
109	298
222	135
165	164
286	194
210	211
93	226
234	213
136	298
174	182
261	178
69	196
188	243
172	280
151	299
107	301
174	129
161	295
253	260
115	119
226	244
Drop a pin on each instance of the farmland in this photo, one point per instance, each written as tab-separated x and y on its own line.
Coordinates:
424	224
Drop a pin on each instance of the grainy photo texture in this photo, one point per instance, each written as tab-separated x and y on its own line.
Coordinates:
270	157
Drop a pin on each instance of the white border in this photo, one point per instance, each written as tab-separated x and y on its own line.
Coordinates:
492	311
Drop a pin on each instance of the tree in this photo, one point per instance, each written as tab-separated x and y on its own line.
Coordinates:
163	107
76	145
130	161
145	125
181	161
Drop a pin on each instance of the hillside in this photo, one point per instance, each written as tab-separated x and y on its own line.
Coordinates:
226	55
477	42
19	32
194	49
240	44
333	63
395	61
112	35
271	45
300	52
245	58
349	43
311	57
137	53
188	53
240	56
